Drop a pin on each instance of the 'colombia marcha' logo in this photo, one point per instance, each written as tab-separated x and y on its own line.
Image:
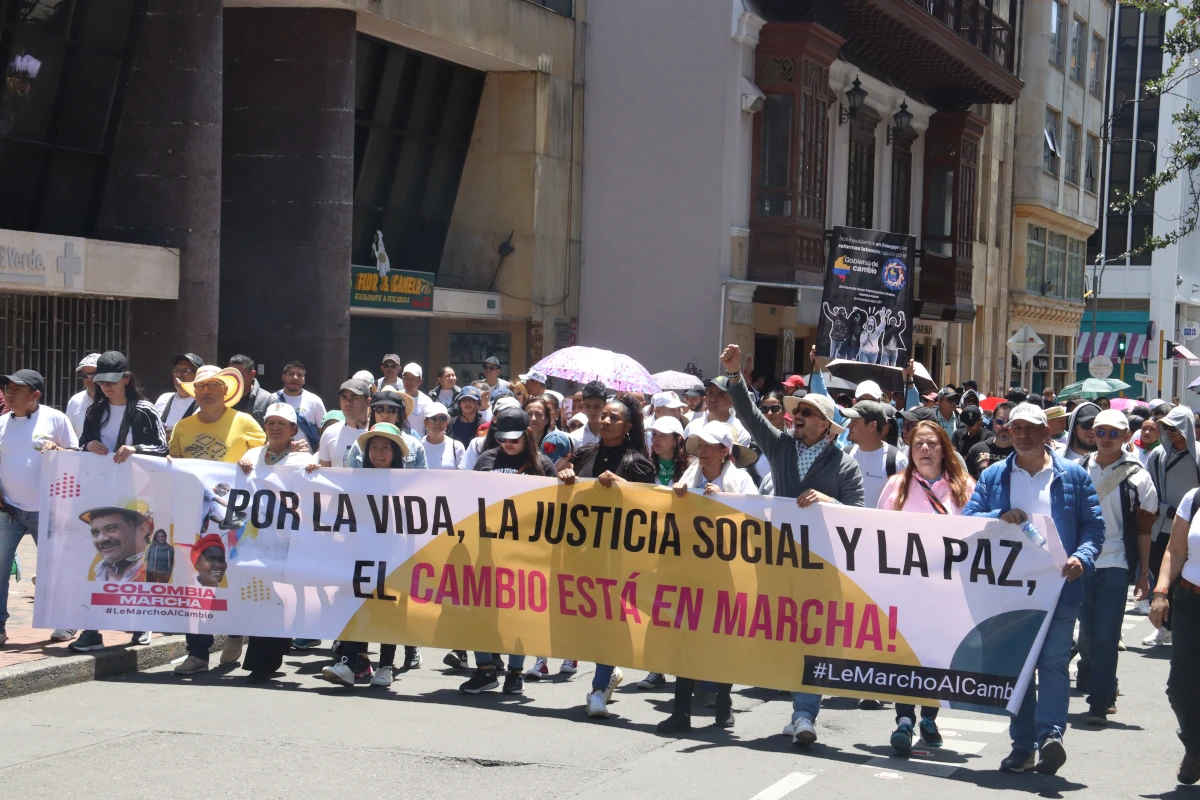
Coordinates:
840	268
895	274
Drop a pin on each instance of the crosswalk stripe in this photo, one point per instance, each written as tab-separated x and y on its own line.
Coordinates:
784	786
936	769
975	725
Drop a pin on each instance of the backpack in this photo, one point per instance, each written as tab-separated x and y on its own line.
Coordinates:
892	454
311	432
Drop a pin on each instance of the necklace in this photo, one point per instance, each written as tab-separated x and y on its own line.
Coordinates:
275	458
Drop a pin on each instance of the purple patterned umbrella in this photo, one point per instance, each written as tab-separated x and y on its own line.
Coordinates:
583	364
672	381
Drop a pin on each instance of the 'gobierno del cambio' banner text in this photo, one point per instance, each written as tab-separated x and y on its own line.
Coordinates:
729	588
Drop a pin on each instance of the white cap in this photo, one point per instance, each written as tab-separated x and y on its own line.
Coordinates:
533	375
556	395
1028	412
580	417
868	389
436	410
1112	418
667	425
714	433
1156	402
89	360
281	410
667	400
499	405
412	368
364	375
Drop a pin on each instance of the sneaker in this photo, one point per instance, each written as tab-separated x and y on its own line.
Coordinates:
613	683
232	652
1051	755
1160	636
538	671
339	673
88	641
869	704
412	658
383	677
723	718
366	672
596	707
191	665
1096	716
455	659
568	667
1018	761
1121	645
481	681
803	732
930	734
1141	607
652	681
63	634
902	737
306	644
140	637
1189	769
676	723
513	682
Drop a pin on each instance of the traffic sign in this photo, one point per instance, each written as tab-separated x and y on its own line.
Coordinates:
1143	377
1190	331
1100	366
1025	344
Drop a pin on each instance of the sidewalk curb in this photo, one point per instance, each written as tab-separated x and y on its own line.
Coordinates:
51	673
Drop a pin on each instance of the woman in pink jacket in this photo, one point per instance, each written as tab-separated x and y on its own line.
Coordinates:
934	482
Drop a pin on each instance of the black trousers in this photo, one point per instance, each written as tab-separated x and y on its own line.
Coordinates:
354	652
265	653
684	687
1183	688
910	711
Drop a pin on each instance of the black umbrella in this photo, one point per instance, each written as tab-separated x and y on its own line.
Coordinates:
890	379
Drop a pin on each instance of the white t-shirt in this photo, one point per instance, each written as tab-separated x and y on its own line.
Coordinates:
416	420
583	437
307	405
446	397
1191	567
21	441
77	408
693	427
874	471
731	479
336	442
112	429
258	457
473	452
179	407
447	454
1113	552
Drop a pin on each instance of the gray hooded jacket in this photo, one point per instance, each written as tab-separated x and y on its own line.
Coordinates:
1067	452
1174	473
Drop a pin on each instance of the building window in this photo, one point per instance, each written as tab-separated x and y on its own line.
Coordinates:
1058	33
901	183
1079	51
60	101
1035	259
1072	155
813	128
775	159
969	175
1096	67
1091	167
413	118
860	197
1056	263
1050	150
1075	249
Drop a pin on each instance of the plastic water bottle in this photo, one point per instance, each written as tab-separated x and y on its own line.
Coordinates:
1033	533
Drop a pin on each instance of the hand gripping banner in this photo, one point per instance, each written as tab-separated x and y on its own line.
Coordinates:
728	588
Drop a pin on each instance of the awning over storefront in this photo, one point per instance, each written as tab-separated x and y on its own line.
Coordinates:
1137	346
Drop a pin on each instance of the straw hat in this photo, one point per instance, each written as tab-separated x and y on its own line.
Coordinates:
228	376
387	431
389	396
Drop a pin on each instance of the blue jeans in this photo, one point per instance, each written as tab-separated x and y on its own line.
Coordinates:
1044	709
805	706
486	659
14	524
602	677
1100	617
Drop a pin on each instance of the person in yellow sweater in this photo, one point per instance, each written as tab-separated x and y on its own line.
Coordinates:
214	433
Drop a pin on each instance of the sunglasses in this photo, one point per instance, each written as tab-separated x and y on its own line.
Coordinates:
438	418
92	374
999	423
179	372
1112	433
491	367
806	413
1086	425
775	409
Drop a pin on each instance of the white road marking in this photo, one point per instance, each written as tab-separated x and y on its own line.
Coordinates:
978	725
920	766
784	786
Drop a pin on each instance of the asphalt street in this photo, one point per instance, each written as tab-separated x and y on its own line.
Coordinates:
153	735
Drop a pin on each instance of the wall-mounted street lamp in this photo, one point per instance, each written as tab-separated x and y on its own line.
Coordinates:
855	95
903	119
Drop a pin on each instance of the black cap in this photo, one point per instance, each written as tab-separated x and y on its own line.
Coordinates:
721	382
356	385
510	423
970	415
195	360
111	367
695	391
947	392
920	414
25	377
867	411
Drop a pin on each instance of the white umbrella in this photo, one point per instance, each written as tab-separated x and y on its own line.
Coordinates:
672	381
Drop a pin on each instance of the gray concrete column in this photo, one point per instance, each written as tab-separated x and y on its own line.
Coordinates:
164	179
288	191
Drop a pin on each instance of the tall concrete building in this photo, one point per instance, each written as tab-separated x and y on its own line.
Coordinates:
1056	201
727	137
199	175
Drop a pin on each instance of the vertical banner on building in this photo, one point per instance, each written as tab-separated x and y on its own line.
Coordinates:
866	308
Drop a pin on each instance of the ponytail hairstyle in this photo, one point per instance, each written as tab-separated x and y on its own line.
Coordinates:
102	409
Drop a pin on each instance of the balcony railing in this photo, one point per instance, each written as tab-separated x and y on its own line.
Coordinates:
976	22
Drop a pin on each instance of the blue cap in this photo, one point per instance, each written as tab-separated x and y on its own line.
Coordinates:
556	445
500	391
469	393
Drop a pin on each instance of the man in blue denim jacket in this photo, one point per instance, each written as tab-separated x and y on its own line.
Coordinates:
1033	480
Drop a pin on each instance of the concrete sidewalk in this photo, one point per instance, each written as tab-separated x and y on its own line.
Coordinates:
30	662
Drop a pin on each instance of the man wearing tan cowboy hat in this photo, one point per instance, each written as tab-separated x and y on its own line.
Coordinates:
805	465
216	432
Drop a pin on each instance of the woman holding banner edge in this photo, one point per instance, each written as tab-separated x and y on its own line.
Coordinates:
934	482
